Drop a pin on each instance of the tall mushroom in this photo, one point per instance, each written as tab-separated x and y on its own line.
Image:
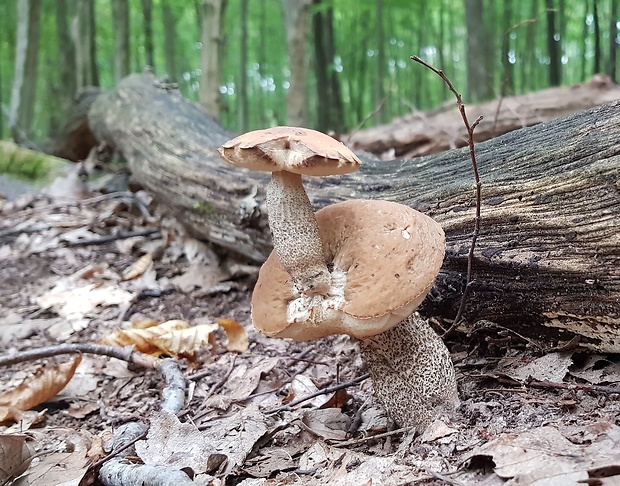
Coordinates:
385	257
288	153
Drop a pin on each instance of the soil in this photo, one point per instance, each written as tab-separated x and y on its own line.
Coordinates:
39	248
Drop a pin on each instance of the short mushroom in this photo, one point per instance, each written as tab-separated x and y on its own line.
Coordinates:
288	153
384	258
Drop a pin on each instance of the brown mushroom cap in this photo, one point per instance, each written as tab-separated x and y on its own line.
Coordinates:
385	258
299	150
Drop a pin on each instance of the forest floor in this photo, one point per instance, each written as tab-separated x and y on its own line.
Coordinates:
528	415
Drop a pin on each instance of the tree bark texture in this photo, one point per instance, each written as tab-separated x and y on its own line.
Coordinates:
170	36
548	257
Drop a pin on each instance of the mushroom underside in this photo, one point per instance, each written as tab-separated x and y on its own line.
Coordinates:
413	375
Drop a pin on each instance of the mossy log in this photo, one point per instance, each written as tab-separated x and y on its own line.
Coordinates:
547	262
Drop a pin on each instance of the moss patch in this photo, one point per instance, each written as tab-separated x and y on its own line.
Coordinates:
28	164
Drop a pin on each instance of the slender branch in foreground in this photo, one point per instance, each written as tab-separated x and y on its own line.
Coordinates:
472	153
125	354
324	391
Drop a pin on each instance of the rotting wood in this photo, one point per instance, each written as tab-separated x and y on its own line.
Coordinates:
548	260
425	133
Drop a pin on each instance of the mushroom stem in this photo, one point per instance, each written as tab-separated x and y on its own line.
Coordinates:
412	373
295	234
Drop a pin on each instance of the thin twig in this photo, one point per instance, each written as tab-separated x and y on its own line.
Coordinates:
102	240
367	117
197	414
125	354
371	437
324	391
573	386
118	451
472	153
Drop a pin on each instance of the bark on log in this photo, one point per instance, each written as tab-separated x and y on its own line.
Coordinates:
548	256
423	133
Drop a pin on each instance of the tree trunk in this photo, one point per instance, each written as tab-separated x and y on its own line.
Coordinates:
66	56
597	38
147	15
321	67
614	32
380	79
553	46
242	91
84	36
120	18
547	262
478	87
211	57
170	37
336	115
21	113
296	25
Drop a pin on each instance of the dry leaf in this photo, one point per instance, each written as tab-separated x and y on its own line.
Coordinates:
139	267
185	342
142	339
329	423
15	457
45	384
237	337
174	338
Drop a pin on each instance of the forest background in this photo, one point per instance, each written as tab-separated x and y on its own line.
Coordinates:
327	64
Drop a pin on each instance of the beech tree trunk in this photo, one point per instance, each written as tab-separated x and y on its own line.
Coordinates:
548	257
120	17
296	23
21	113
211	56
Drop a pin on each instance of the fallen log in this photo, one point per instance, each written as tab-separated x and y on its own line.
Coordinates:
425	133
548	257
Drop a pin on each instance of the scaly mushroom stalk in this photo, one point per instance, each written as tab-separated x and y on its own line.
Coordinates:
412	373
295	234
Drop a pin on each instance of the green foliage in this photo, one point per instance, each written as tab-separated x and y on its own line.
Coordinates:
434	30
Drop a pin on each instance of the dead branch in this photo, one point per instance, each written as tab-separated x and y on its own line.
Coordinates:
124	354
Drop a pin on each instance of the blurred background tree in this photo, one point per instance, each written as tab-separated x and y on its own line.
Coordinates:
327	64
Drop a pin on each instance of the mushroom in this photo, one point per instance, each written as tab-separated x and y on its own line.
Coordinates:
384	258
289	152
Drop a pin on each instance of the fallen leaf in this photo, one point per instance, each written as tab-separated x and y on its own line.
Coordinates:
328	423
45	384
237	337
550	367
171	442
174	338
15	457
303	386
138	268
545	457
243	381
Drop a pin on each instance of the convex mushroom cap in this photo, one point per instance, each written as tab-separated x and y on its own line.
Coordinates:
288	153
298	150
383	257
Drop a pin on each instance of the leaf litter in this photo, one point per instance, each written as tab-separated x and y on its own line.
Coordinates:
58	288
